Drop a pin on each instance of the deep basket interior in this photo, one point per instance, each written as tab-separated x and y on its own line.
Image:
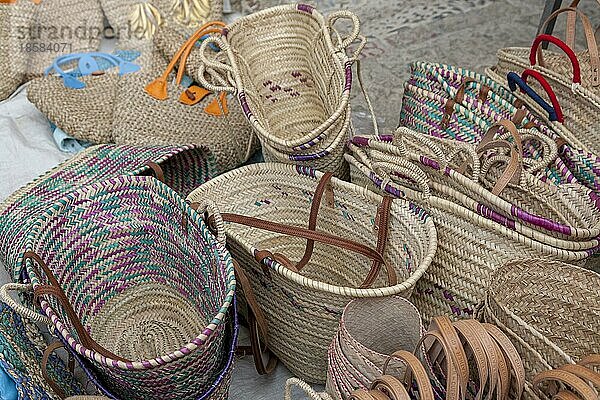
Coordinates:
292	79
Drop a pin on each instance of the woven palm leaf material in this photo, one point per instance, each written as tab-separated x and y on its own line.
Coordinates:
362	351
471	245
560	216
22	346
183	168
14	16
481	102
574	77
303	286
549	310
298	102
133	280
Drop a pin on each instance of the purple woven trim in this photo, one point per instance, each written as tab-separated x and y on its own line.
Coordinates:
360	141
309	157
308	171
244	103
348	86
428	162
540	221
306	8
386	138
494	216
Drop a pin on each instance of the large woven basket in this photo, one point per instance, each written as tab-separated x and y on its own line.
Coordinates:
292	80
13	55
133	280
183	168
362	350
484	100
550	310
470	246
307	305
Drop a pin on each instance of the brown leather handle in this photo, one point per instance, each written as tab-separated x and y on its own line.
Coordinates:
459	98
56	291
44	366
317	236
157	170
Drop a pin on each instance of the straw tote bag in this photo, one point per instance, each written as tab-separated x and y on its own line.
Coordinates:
153	110
15	17
471	244
181	167
305	300
483	99
550	310
145	299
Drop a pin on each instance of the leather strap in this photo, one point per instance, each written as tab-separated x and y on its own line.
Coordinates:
361	394
413	368
44	366
511	355
158	171
566	395
455	383
317	236
584	373
459	97
590	361
567	378
391	387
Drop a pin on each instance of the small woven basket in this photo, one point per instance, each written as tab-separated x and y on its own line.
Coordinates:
550	310
306	305
471	246
134	282
362	350
183	168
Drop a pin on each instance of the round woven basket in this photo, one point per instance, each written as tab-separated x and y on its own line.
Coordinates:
470	246
134	282
364	350
308	304
550	311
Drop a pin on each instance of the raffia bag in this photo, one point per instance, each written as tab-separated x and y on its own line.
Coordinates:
145	299
298	102
14	16
550	310
370	331
471	245
181	167
304	301
152	110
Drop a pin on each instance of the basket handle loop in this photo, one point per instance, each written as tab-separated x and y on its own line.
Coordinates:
291	382
225	75
215	222
536	51
512	172
54	290
404	133
343	43
590	37
417	369
19	308
554	110
51	349
391	165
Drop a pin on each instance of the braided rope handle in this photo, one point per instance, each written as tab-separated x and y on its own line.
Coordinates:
314	395
18	308
227	76
394	165
549	153
342	43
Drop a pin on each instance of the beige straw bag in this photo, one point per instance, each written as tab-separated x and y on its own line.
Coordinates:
153	110
575	79
471	246
550	310
14	16
303	302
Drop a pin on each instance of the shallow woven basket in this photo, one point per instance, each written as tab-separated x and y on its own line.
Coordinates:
307	306
470	246
13	57
370	331
499	103
146	279
549	310
183	167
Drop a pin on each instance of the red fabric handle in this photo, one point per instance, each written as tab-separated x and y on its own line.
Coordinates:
540	78
563	46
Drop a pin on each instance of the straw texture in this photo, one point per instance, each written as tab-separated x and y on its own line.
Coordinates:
370	331
13	57
471	244
184	167
548	309
146	279
307	305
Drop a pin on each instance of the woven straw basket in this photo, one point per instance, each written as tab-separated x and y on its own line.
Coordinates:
307	305
133	280
484	101
183	168
13	57
358	352
550	310
471	245
292	80
572	77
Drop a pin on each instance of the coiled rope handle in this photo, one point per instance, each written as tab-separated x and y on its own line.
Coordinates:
400	166
18	308
313	395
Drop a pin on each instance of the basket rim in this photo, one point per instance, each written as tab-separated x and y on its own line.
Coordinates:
415	211
61	327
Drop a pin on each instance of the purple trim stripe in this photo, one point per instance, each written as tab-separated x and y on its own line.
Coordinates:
308	157
306	8
348	86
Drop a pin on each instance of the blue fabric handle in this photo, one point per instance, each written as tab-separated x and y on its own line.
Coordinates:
515	80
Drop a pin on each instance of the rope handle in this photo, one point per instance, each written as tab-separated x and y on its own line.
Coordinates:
227	76
291	382
343	43
19	308
536	50
549	146
400	166
590	37
554	111
402	132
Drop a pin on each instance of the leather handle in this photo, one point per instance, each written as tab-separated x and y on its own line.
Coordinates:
54	290
44	366
554	111
317	236
157	170
512	172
